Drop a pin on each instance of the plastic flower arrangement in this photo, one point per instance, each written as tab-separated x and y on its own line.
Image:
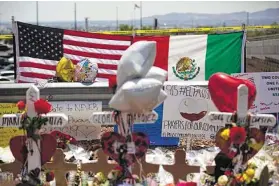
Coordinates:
31	125
246	178
240	142
237	138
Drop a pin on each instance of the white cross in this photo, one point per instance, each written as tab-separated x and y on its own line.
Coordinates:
13	120
257	120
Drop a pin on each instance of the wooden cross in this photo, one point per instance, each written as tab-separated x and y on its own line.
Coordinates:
254	120
11	167
14	120
180	169
101	165
60	167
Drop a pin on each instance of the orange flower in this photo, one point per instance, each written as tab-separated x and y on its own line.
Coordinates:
42	106
237	135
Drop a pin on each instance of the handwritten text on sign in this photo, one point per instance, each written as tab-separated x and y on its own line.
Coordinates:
78	113
255	120
267	85
7	133
14	120
185	112
107	118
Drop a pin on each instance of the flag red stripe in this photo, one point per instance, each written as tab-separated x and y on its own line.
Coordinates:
101	65
53	67
36	75
37	65
162	48
20	81
94	45
97	36
106	76
92	55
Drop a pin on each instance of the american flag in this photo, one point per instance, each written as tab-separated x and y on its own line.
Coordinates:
39	49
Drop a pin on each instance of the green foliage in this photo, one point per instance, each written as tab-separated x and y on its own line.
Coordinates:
124	27
275	28
274	24
147	28
31	125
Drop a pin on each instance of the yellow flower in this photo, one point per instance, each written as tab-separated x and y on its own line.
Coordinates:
225	134
223	180
252	165
250	172
248	181
100	177
245	177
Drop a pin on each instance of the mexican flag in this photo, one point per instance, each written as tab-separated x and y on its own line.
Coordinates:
197	57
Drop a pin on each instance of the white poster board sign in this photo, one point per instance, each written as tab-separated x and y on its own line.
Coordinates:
78	113
185	112
267	85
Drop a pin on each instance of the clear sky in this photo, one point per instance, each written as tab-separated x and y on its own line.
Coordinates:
106	10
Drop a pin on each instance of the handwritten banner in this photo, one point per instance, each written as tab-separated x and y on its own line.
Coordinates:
107	118
14	120
8	133
154	130
186	112
78	113
267	85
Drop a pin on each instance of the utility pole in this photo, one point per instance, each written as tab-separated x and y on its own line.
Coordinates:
75	16
247	21
37	12
141	15
117	18
86	24
192	22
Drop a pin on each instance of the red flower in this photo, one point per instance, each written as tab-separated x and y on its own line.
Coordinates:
56	133
73	140
228	173
42	106
20	105
49	176
63	138
61	145
237	135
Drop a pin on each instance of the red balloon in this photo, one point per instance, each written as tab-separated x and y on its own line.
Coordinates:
223	91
